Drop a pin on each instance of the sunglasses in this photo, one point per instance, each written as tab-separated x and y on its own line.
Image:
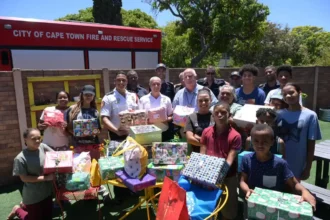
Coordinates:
210	73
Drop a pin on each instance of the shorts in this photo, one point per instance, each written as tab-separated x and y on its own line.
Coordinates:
229	211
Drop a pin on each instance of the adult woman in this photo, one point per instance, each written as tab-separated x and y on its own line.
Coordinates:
55	137
223	141
37	189
200	120
299	128
84	109
155	100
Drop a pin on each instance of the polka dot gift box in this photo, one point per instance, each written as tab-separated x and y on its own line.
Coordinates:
206	170
269	204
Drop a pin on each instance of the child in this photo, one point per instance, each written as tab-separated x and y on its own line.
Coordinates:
276	100
262	169
56	137
268	116
299	128
221	140
37	188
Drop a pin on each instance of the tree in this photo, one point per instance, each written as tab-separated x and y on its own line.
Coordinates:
213	24
275	47
107	11
131	18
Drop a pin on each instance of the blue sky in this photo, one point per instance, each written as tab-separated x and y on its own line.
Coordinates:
286	12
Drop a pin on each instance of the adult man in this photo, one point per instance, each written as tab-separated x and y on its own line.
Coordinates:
187	96
235	79
249	93
180	85
155	100
284	75
133	85
271	82
210	81
167	88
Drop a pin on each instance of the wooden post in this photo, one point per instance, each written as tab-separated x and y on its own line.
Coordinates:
17	76
316	85
106	84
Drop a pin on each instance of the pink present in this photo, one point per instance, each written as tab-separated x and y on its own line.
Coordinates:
180	114
54	118
64	160
156	115
135	184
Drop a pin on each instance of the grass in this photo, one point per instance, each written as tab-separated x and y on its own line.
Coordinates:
10	196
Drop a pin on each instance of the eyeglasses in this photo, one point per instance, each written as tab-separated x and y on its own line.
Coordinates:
210	73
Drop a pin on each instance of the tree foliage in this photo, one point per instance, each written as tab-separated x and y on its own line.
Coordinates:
213	24
131	18
107	11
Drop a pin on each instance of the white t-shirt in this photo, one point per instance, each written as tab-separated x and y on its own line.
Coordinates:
114	102
277	91
149	102
54	136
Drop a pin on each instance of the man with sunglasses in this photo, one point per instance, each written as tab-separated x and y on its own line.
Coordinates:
271	82
211	82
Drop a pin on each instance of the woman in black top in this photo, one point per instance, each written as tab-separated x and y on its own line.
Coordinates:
200	120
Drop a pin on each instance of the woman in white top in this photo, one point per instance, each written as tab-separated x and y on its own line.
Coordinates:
56	137
156	100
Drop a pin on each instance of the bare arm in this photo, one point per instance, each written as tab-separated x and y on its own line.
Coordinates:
282	148
244	186
310	153
231	156
191	139
36	179
248	143
108	124
203	149
301	190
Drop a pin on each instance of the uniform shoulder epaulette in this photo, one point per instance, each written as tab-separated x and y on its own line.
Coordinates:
110	93
170	83
202	80
262	85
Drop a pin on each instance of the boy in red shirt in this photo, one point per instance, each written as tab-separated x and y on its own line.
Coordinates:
221	140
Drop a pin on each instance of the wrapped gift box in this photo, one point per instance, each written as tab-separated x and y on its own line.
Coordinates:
78	181
206	170
60	160
171	171
247	115
125	120
135	184
146	134
139	117
169	152
85	127
112	147
54	118
269	204
157	115
180	114
109	166
241	155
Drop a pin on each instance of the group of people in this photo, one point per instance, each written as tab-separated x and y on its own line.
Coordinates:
288	129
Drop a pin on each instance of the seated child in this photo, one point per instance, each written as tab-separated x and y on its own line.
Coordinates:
268	116
262	169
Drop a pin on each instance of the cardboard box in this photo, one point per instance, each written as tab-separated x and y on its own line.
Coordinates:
109	166
169	152
171	171
242	154
54	118
269	204
135	184
78	181
247	115
156	115
62	161
146	134
85	127
180	114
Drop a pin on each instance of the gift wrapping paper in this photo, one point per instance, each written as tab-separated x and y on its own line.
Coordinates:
156	115
146	134
169	152
206	170
109	166
54	118
78	181
64	159
171	171
269	204
85	127
180	114
136	184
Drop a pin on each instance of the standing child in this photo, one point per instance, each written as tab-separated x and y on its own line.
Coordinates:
262	169
223	141
56	137
37	188
299	128
268	116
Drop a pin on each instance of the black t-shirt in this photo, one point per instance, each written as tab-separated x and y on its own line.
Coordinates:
196	123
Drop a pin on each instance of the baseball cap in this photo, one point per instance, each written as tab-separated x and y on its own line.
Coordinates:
235	73
276	96
160	65
88	89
